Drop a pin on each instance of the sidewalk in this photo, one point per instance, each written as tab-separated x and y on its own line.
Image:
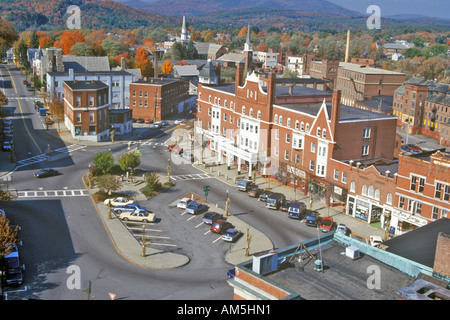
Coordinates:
358	227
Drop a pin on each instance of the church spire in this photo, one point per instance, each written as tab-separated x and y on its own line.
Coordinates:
248	44
184	36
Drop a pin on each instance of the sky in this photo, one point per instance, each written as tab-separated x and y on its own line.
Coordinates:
431	8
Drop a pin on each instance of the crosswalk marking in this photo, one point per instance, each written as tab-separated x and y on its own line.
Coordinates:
52	193
146	143
191	176
44	157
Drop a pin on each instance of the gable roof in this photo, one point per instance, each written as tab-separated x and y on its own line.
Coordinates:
82	64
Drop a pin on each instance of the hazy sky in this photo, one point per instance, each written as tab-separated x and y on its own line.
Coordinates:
431	8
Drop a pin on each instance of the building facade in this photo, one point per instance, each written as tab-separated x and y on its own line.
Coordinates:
300	64
159	98
359	82
86	110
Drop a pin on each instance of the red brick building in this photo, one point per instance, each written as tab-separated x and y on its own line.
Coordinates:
86	109
422	191
299	131
158	98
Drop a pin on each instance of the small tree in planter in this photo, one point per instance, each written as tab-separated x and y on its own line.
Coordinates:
107	183
152	181
129	160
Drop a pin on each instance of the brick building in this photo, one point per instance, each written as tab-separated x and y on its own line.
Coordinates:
300	64
299	131
86	109
359	82
324	69
422	191
158	98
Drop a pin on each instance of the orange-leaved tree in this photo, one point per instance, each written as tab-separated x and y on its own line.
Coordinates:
143	61
68	39
166	67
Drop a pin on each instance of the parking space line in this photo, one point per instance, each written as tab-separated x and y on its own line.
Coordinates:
216	240
201	223
191	218
207	232
159	237
163	244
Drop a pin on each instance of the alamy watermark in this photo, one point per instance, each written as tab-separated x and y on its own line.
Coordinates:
74	20
374	20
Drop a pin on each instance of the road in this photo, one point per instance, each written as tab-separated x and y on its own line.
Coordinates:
59	232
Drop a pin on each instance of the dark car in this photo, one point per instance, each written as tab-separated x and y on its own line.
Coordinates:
30	87
312	219
46	172
245	185
140	120
264	195
196	208
210	217
220	226
285	205
254	192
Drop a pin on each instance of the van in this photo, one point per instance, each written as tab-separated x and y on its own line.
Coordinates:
296	210
274	200
312	219
245	185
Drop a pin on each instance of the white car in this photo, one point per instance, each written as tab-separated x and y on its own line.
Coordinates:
119	201
183	203
178	121
138	216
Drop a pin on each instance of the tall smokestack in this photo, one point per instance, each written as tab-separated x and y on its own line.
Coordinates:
335	110
347	49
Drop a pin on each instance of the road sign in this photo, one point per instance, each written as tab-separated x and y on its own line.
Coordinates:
206	188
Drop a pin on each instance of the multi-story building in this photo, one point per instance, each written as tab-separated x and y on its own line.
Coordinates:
299	130
86	109
159	98
267	59
422	107
117	81
358	82
422	191
325	69
300	64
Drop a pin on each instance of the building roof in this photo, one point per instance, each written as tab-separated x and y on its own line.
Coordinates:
232	57
439	99
209	71
366	70
343	278
156	81
86	85
92	73
381	103
394	46
419	245
207	48
188	70
83	64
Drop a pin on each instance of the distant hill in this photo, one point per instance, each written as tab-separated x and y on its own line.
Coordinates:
52	14
199	7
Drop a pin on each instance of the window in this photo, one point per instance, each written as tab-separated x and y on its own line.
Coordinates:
209	111
78	116
280	120
446	192
435	213
311	165
289	122
78	101
277	134
296	125
320	170
288	138
276	151
286	155
302	127
258	114
243	110
275	119
318	131
366	133
307	127
401	202
324	133
377	194
224	117
364	190
92	130
413	183
353	186
313	147
389	198
365	150
421	185
370	191
344	177
336	175
251	112
91	117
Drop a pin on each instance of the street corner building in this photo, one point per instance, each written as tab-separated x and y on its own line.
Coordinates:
86	110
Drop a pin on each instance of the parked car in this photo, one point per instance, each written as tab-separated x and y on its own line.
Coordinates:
148	121
131	207
312	219
119	201
263	196
171	146
30	87
14	270
375	241
285	205
183	203
326	224
141	216
254	192
342	228
177	150
411	148
46	172
210	217
163	123
196	207
231	235
7	130
220	226
274	200
156	126
178	121
245	185
140	120
297	210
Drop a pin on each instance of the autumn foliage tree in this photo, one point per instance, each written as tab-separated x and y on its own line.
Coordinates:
143	61
167	67
68	39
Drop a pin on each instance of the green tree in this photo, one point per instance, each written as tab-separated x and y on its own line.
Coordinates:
22	50
82	49
178	52
419	42
104	161
151	180
191	51
34	41
8	237
108	182
129	160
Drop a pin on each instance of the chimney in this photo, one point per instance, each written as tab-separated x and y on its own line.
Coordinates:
387	173
122	63
271	86
335	110
239	75
347	49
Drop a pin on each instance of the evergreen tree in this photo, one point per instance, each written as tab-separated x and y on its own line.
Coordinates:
191	51
34	41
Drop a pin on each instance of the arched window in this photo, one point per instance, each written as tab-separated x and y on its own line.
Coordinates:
288	122
353	186
258	114
389	198
318	131
275	119
370	192
243	109
364	190
281	120
324	133
251	112
296	125
302	126
307	127
377	194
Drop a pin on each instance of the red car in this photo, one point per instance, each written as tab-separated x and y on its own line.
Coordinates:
171	146
220	226
326	224
177	149
148	121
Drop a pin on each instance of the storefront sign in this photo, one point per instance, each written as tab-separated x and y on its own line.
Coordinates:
409	218
296	172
